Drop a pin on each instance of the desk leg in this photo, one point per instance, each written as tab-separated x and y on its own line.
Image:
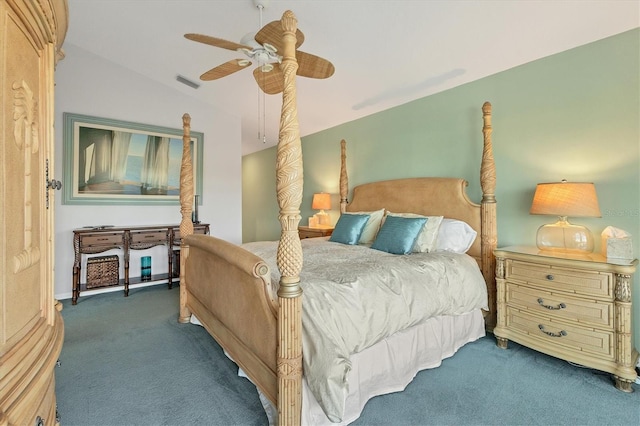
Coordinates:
170	272
126	263
126	277
75	285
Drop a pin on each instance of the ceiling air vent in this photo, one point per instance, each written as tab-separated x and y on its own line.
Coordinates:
188	82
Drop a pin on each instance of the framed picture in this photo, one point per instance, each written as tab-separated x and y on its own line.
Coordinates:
118	162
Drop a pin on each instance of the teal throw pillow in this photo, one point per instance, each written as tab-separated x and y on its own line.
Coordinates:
349	228
398	234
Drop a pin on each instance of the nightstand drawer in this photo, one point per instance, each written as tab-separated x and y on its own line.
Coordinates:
561	279
554	305
550	333
308	232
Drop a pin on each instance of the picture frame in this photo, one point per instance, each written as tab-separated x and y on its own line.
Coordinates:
114	162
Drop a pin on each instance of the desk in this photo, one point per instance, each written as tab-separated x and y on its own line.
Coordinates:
101	239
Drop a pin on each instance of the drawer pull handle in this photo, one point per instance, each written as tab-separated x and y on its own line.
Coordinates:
549	333
553	308
550	277
103	239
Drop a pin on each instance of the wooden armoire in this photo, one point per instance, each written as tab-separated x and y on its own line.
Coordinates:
31	328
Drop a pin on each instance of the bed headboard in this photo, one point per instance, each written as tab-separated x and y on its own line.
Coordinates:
426	196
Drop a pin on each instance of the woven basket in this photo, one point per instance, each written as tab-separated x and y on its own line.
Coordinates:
102	271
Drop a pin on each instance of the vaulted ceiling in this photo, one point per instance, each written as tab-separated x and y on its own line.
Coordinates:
385	52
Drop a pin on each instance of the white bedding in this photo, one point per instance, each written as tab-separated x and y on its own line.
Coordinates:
390	365
354	296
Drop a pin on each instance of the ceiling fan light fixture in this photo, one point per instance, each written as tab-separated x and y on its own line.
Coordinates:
262	57
270	48
244	62
266	68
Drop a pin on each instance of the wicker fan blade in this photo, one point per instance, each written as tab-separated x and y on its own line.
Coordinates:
225	69
272	34
271	82
313	66
217	42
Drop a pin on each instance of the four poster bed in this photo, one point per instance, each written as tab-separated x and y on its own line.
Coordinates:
252	298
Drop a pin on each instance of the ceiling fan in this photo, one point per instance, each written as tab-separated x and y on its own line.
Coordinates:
264	48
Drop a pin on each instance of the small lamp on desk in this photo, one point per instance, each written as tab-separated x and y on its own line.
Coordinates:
565	199
321	201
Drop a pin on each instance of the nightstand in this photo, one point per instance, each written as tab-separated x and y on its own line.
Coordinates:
307	232
574	307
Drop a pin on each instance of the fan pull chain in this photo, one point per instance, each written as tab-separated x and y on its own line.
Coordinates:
259	117
262	118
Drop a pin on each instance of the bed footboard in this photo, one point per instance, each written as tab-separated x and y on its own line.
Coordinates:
229	291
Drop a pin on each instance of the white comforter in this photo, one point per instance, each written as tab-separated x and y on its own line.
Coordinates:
354	296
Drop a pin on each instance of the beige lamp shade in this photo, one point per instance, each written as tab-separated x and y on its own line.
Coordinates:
564	199
321	201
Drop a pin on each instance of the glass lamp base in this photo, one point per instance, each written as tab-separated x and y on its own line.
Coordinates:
323	218
565	237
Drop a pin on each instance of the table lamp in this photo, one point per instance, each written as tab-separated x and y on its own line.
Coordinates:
321	201
565	199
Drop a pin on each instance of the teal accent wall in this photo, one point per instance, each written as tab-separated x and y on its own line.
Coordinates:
259	205
574	115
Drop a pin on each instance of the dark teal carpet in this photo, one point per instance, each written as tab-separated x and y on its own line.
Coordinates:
126	361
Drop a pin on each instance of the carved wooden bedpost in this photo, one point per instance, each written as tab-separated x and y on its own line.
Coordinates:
344	179
186	200
289	257
488	214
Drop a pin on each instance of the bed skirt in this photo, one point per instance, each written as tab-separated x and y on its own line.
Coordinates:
391	364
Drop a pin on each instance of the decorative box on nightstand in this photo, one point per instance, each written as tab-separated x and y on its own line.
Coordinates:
574	307
308	232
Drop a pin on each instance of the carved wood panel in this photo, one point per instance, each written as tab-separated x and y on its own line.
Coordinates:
31	329
22	179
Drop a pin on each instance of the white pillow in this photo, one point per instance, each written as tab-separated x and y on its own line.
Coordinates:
455	235
426	240
372	227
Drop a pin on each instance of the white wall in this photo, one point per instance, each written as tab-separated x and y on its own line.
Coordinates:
87	84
